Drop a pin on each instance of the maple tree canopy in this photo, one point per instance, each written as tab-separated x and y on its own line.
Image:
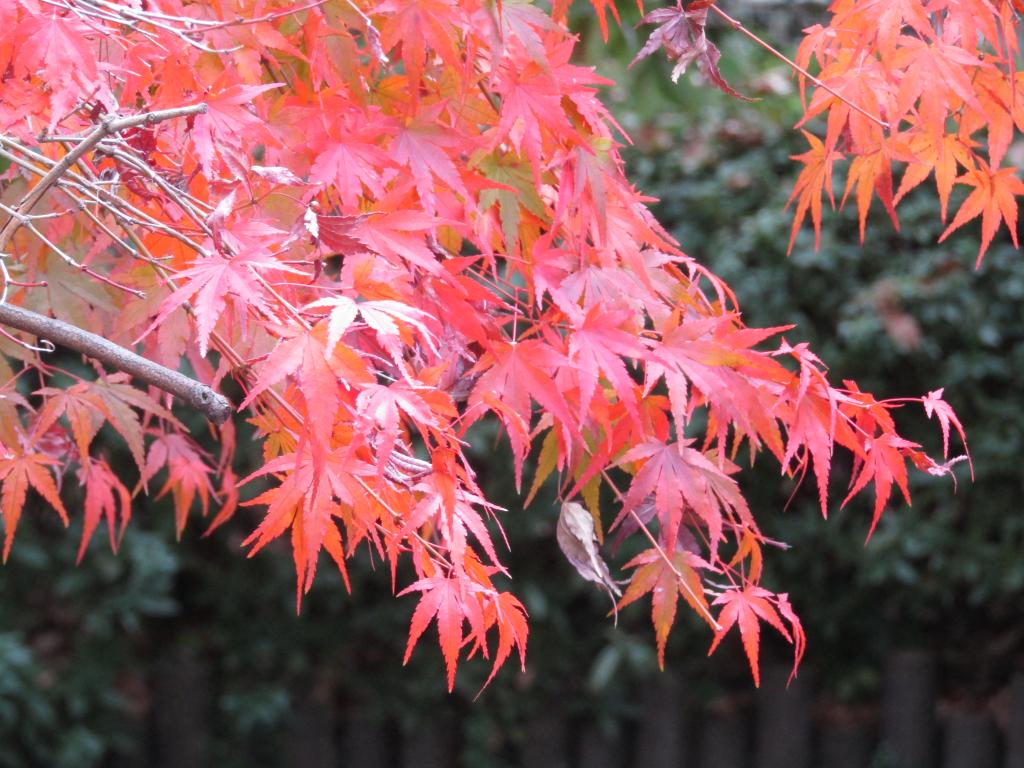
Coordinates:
387	220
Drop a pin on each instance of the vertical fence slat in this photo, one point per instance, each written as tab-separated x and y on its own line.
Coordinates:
723	741
1015	725
908	709
783	720
546	741
181	704
133	755
433	745
663	728
970	741
366	741
845	745
598	748
310	740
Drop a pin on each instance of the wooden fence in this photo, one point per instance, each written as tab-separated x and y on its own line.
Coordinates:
778	727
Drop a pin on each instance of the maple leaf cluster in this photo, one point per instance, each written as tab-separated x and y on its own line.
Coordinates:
934	87
386	221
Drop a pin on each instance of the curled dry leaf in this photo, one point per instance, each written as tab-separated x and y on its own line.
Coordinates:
681	34
578	540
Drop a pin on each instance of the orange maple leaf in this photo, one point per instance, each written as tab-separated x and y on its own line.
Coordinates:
871	173
18	472
814	180
666	582
992	199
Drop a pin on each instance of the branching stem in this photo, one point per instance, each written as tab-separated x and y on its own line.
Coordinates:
107	127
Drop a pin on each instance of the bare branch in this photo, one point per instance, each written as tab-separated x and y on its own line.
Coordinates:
204	399
87	190
108	126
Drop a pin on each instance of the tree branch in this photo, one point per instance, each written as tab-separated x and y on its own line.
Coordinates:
108	126
204	399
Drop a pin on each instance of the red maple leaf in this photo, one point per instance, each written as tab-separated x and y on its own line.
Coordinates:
665	580
57	47
747	608
211	282
229	127
104	496
682	479
935	405
883	463
443	599
188	475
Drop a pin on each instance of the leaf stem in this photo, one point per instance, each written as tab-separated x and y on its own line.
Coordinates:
664	556
738	25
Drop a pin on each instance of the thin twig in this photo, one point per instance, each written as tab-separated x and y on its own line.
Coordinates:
108	125
112	203
90	188
86	269
173	193
213	405
131	19
218	342
738	26
241	21
664	556
679	576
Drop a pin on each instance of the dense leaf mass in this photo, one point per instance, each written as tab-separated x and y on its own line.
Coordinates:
390	220
935	88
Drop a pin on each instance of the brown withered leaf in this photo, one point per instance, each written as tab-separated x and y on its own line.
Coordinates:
578	540
681	34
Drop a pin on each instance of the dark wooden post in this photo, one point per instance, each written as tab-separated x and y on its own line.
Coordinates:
598	747
134	755
662	735
546	739
181	706
433	745
846	735
310	741
845	745
723	740
970	741
783	720
1015	725
367	743
908	709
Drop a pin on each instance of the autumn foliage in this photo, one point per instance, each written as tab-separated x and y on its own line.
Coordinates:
932	88
387	221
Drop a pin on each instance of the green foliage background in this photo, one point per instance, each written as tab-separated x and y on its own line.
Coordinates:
901	315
